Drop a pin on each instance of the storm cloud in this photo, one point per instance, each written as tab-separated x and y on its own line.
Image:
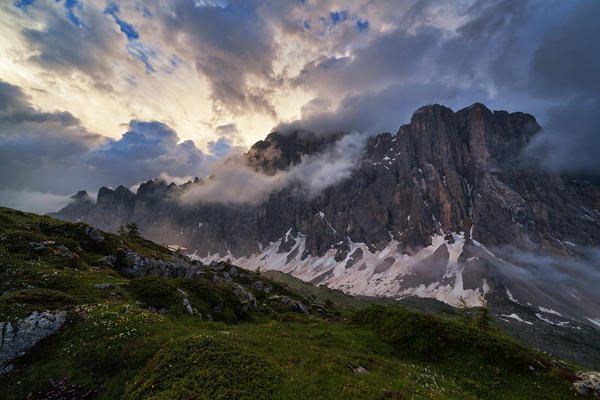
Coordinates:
220	75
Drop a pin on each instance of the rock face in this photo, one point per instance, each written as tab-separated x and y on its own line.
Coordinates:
423	213
137	265
16	340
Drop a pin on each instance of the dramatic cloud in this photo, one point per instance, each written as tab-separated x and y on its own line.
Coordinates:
45	156
223	73
565	67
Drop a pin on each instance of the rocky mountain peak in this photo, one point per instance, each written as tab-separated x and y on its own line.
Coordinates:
278	150
421	213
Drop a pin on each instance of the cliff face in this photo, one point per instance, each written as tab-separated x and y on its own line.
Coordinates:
420	214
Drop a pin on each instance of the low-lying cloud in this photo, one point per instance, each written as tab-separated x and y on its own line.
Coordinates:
566	284
232	181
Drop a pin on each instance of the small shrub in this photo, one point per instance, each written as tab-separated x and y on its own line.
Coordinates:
155	291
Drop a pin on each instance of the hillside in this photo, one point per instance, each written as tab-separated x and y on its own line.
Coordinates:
88	314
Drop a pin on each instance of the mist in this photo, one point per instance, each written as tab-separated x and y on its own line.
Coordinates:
232	181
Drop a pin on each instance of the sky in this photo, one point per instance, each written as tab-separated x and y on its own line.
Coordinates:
118	92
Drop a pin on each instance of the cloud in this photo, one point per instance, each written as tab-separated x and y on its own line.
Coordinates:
230	45
535	278
37	202
566	68
232	181
65	43
377	112
50	153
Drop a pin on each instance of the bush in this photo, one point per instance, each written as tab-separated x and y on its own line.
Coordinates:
155	291
432	339
200	367
48	298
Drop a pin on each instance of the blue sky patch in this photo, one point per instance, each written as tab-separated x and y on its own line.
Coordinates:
362	26
338	16
126	27
23	4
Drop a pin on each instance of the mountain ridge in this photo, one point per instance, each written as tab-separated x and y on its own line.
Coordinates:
445	208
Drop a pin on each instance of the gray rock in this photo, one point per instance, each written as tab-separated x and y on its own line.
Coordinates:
588	384
233	271
94	234
183	293
188	307
219	267
137	265
360	370
258	285
294	305
108	261
243	294
16	340
105	286
300	307
227	277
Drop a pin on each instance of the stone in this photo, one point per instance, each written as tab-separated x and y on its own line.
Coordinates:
360	370
588	384
16	340
188	307
105	286
138	265
108	261
94	234
243	294
258	285
226	277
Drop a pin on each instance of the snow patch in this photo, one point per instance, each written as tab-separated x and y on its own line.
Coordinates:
594	321
516	317
360	278
549	311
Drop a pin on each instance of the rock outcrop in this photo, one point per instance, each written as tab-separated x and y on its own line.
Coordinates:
588	384
137	265
16	340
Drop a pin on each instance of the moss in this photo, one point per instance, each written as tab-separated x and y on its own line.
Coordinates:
204	367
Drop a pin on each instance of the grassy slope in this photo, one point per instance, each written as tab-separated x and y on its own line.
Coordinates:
114	347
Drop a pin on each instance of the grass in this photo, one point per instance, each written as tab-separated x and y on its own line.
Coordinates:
113	347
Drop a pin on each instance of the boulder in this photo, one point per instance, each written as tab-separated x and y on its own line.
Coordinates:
588	384
105	286
94	234
16	340
137	265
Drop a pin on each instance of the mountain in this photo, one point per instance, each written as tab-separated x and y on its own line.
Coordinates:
450	207
85	314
